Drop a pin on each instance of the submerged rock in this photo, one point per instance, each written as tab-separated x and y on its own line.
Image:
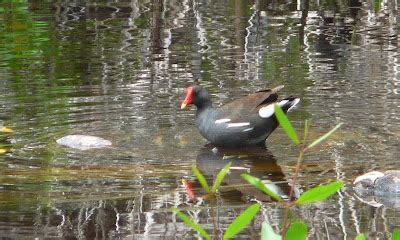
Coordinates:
83	142
379	188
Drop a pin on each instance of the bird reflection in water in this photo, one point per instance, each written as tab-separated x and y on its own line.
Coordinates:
256	161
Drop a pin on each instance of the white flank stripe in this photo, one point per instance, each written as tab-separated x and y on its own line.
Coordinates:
248	129
223	120
267	111
214	150
242	124
240	168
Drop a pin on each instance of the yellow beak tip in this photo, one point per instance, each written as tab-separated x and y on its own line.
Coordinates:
183	105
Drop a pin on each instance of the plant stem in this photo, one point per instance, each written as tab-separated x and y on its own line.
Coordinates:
289	204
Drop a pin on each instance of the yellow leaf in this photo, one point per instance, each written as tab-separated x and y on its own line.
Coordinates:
183	141
6	130
2	151
158	140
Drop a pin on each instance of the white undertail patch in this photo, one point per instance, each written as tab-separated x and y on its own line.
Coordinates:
267	111
294	103
283	102
222	120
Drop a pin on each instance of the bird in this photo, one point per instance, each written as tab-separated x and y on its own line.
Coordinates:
242	122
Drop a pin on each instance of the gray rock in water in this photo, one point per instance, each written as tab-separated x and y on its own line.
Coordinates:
379	188
83	142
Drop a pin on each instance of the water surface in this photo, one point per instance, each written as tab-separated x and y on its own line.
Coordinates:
118	70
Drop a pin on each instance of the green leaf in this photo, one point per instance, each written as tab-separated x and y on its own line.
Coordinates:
267	233
260	185
242	221
377	5
396	234
360	236
297	231
220	177
192	224
324	137
201	179
319	193
285	124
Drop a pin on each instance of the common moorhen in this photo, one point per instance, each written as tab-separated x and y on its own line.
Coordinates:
245	121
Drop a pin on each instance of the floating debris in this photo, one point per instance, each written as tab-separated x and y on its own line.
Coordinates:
6	130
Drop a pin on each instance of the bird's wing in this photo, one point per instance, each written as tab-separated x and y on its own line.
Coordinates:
248	104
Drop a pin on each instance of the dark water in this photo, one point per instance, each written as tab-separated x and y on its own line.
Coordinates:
118	69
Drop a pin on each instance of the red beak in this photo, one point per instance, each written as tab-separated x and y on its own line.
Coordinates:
188	99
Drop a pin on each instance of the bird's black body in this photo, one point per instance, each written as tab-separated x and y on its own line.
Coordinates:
245	121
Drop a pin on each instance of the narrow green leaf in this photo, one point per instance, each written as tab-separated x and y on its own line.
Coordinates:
319	193
285	124
324	137
360	236
192	224
260	185
396	234
201	179
267	233
242	221
220	177
377	5
297	231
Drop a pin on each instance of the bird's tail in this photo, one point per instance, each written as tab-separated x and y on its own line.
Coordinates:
288	103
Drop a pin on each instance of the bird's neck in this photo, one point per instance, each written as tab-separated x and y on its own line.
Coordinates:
204	113
202	101
203	105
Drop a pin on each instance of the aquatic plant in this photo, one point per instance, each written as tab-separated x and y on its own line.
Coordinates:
237	225
234	228
395	235
296	229
217	182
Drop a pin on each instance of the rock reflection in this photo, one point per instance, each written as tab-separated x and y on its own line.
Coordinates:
256	161
378	189
391	201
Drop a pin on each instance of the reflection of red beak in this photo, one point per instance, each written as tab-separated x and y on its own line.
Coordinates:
189	189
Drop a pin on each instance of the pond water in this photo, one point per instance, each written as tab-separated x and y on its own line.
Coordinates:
118	70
